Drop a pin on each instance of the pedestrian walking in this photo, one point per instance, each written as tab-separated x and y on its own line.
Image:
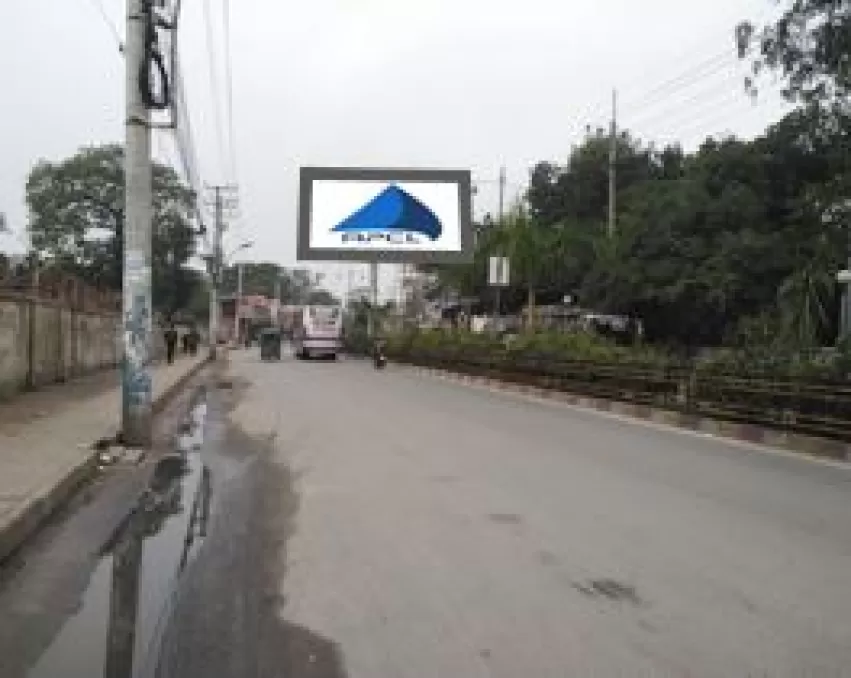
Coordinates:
194	340
170	343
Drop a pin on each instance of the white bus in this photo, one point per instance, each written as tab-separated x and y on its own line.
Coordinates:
318	331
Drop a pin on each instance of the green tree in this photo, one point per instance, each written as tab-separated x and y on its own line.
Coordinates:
531	250
76	221
709	246
295	286
808	45
579	191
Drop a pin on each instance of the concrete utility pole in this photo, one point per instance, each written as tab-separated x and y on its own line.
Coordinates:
613	156
348	300
216	273
501	192
278	303
373	300
238	306
136	277
217	262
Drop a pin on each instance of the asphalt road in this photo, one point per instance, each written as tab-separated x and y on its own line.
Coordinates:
384	524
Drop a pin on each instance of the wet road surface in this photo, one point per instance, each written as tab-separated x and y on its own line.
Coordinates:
388	524
90	595
369	524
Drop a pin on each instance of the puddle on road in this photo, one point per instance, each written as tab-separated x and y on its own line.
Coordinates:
126	609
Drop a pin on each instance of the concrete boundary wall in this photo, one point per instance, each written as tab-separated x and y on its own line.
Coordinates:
43	342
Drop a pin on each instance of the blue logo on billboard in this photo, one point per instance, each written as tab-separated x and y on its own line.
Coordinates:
392	216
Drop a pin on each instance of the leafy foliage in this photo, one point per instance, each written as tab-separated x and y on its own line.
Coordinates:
76	221
295	286
808	44
703	241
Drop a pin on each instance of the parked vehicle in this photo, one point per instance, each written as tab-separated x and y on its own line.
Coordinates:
270	344
317	332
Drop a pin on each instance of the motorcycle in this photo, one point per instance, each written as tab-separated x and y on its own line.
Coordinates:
379	358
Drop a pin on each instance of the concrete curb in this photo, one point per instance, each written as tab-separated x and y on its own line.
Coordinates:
178	385
45	502
749	433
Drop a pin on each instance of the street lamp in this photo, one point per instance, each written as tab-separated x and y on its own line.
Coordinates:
238	303
242	246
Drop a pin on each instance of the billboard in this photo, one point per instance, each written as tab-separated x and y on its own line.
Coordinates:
387	215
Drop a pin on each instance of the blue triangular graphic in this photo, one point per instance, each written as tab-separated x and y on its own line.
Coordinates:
393	210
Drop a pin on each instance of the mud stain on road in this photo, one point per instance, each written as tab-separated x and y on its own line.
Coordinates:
609	589
230	620
505	518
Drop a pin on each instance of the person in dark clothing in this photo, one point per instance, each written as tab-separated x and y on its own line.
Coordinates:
170	343
194	339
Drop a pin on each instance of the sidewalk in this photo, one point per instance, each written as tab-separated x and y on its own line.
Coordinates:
46	440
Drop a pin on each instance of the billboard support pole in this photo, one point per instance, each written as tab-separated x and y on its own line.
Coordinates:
496	311
373	298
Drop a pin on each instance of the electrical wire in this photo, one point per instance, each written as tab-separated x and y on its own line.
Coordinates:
214	88
673	127
184	143
698	99
714	117
232	166
687	78
696	94
110	24
229	88
635	102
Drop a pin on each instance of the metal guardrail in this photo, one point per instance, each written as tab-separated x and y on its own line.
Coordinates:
786	403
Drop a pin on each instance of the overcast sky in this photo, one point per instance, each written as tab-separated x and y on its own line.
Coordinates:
443	83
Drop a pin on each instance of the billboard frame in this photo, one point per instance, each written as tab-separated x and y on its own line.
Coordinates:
309	174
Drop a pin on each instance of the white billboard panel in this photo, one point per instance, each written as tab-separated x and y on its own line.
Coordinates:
498	268
384	215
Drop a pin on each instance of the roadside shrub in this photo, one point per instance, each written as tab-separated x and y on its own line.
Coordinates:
453	345
356	341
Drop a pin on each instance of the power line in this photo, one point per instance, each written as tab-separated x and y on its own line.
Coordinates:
183	132
672	84
110	24
672	111
688	77
682	80
689	116
700	97
712	117
214	89
229	88
706	67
